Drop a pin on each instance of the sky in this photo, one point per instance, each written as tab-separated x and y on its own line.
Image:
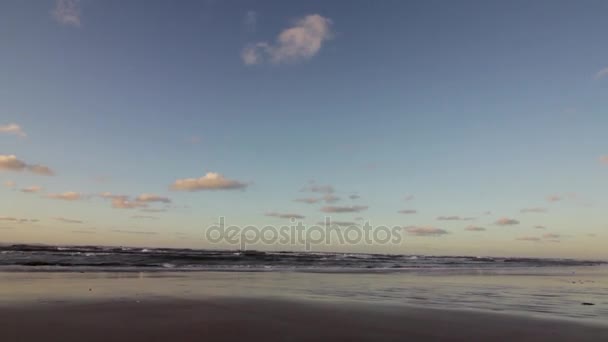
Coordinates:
479	127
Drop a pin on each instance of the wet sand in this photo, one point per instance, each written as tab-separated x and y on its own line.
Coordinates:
220	319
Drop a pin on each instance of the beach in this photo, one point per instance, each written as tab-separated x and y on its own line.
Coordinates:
274	320
295	306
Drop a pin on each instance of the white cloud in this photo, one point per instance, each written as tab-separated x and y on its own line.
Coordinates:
351	209
67	196
425	231
285	215
67	12
12	129
32	189
11	163
601	74
299	42
210	181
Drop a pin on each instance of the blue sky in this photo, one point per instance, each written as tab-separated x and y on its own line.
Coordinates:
467	107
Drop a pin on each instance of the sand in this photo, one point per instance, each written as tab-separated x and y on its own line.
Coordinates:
221	319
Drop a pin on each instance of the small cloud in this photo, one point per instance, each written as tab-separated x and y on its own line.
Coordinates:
408	198
551	236
31	189
329	198
408	211
285	215
67	12
455	218
554	198
153	210
425	231
309	200
66	220
17	220
534	210
330	223
601	74
528	238
148	198
354	197
195	139
67	196
604	159
13	129
297	43
144	217
251	20
540	227
10	184
83	232
133	232
210	181
475	229
350	209
506	222
11	163
323	189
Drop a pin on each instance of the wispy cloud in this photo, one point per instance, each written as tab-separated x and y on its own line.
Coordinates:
32	189
601	74
475	229
354	196
308	200
528	238
506	222
408	211
210	181
554	198
330	223
347	209
540	227
408	198
455	218
319	188
17	220
330	198
297	43
10	184
604	159
425	231
534	210
551	236
149	198
251	20
12	163
133	232
285	215
67	196
12	129
67	12
67	220
144	217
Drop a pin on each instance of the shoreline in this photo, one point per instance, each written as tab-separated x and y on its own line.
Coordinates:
232	319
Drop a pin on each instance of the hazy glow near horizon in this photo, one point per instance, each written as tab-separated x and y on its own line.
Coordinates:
478	126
